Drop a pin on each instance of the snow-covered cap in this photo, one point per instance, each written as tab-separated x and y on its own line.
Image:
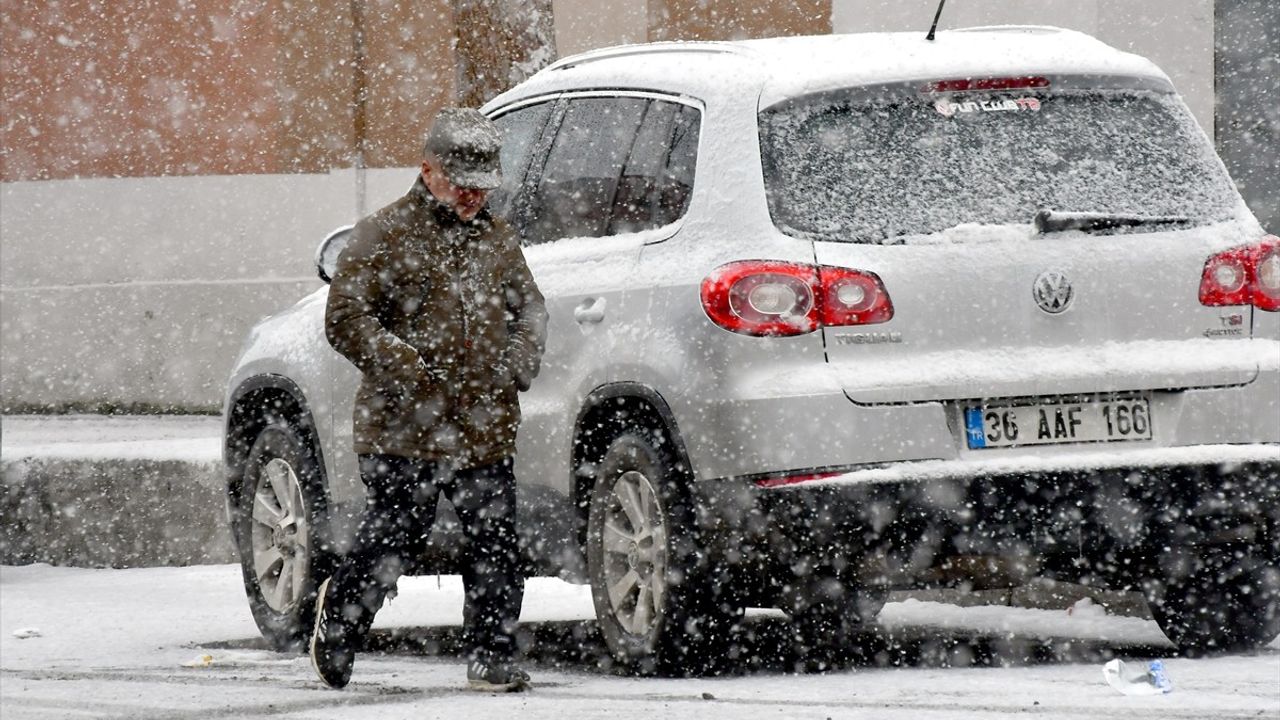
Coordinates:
466	144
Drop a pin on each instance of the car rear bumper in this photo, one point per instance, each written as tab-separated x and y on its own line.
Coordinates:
932	523
1107	457
771	426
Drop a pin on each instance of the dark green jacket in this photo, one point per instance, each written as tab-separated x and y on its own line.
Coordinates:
444	320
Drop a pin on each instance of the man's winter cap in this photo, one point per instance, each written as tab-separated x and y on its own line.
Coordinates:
466	143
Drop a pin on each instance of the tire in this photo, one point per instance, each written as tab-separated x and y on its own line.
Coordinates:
660	606
829	621
281	510
1215	600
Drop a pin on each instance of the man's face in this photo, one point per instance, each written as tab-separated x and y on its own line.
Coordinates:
466	203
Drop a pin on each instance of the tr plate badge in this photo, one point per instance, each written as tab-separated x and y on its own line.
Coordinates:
1052	292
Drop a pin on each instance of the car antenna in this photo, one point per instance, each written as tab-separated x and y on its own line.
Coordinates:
936	15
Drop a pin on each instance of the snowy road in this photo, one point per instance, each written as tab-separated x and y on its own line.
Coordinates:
179	643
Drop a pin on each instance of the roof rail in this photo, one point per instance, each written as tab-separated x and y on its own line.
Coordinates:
654	48
1010	28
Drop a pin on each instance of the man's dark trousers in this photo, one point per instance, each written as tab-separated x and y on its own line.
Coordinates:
401	506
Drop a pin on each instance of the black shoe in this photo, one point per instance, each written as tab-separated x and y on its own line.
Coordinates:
492	676
332	654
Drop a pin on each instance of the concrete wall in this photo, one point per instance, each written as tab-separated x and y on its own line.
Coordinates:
140	290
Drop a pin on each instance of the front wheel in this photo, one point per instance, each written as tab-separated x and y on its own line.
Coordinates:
1215	599
281	558
660	607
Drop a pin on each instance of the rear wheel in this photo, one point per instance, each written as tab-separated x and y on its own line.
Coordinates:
280	509
1216	599
660	607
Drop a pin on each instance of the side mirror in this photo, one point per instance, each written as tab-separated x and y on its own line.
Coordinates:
330	248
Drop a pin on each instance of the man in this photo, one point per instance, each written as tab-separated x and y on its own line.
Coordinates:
433	302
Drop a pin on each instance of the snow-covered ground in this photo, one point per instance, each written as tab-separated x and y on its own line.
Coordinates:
194	438
179	643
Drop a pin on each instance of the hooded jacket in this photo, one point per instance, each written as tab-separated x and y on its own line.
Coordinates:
444	321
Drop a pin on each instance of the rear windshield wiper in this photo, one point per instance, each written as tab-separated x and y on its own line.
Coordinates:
1048	221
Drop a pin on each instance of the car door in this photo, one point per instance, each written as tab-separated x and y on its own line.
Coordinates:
583	263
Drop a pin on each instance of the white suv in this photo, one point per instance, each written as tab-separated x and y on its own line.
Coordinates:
837	315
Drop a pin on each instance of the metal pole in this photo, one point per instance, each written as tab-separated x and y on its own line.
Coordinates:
360	97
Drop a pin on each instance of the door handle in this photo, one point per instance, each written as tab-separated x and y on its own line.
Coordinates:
590	310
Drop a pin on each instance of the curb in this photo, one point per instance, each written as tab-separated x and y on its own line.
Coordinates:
114	512
1037	594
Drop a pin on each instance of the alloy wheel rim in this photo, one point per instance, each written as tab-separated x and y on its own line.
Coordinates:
280	537
634	542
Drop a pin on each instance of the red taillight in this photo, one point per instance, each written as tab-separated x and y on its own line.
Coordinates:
853	297
1225	280
974	84
1266	274
768	298
1247	275
762	298
795	479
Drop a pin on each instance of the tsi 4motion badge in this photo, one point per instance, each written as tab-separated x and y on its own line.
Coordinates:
1232	326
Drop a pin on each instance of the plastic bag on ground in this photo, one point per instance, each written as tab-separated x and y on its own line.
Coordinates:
1138	679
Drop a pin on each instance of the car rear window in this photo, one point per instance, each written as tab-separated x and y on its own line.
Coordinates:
878	167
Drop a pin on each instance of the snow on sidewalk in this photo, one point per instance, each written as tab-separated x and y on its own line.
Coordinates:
154	643
83	613
196	438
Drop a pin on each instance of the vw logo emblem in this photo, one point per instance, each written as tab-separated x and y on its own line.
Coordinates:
1052	292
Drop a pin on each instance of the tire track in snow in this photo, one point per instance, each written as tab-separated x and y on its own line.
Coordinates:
362	694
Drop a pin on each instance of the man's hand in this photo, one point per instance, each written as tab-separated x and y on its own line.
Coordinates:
504	376
403	362
433	375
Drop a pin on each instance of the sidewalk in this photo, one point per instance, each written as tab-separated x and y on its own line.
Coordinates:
114	491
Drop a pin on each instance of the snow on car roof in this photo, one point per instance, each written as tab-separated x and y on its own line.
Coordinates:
838	61
787	67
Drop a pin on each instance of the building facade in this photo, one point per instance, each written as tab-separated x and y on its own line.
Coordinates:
169	165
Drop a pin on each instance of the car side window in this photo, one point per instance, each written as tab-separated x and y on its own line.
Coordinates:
633	206
677	181
521	129
575	192
658	179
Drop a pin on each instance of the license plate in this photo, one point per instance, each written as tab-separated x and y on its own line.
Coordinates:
1092	420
